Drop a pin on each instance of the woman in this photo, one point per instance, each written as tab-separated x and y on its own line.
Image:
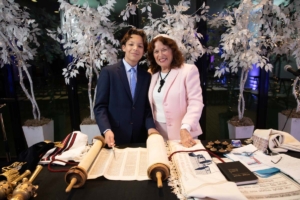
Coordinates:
175	94
122	107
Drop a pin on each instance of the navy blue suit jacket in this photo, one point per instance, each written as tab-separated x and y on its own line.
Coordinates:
115	109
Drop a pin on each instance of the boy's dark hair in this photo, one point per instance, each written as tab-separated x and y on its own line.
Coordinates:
134	31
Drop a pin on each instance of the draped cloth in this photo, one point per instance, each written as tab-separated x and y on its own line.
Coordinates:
277	141
193	174
74	147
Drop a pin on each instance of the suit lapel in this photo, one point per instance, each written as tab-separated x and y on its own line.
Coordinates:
124	79
152	85
170	79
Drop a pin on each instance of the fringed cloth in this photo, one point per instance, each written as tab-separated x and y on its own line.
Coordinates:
193	174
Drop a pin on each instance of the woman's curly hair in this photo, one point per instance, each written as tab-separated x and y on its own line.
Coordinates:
178	58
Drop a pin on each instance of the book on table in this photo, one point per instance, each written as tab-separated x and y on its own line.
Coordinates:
237	172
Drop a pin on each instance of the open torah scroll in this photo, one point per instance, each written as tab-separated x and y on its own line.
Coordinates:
129	163
193	174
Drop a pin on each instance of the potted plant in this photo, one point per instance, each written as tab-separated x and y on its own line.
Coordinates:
289	120
88	36
18	33
249	41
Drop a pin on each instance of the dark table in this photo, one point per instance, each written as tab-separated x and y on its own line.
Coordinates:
52	187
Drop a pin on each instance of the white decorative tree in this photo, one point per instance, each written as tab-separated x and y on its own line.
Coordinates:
289	43
249	40
88	36
17	31
179	26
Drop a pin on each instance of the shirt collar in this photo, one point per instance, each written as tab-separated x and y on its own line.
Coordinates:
128	67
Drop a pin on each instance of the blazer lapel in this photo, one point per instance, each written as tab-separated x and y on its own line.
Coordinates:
152	85
170	79
123	78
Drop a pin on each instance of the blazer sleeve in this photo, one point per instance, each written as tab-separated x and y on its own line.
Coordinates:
194	98
102	100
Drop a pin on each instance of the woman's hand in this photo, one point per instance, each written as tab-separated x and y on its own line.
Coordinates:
186	138
152	131
110	138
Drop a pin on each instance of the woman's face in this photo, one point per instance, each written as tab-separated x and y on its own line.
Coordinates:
134	50
162	54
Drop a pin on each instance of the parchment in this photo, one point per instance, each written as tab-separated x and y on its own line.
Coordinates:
130	163
278	186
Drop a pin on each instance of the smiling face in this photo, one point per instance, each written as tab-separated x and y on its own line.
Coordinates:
134	50
163	55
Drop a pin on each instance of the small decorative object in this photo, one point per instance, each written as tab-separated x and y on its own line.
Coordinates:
228	148
217	142
213	149
236	143
222	150
225	143
219	147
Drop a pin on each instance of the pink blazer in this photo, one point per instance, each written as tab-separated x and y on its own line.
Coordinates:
182	101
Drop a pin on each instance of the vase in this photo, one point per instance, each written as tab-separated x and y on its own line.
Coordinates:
91	130
240	132
35	134
292	125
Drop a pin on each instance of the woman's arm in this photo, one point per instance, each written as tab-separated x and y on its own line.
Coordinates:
194	98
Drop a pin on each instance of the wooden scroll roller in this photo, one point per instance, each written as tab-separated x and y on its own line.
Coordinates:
76	176
25	190
158	164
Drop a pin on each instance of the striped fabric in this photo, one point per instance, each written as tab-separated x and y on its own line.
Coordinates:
74	146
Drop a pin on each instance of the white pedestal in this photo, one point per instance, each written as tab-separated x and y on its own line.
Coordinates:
35	134
240	132
91	130
292	125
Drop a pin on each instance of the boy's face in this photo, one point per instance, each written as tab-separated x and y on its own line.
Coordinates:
134	50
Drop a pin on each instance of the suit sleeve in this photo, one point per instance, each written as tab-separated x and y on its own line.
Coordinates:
102	101
194	98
